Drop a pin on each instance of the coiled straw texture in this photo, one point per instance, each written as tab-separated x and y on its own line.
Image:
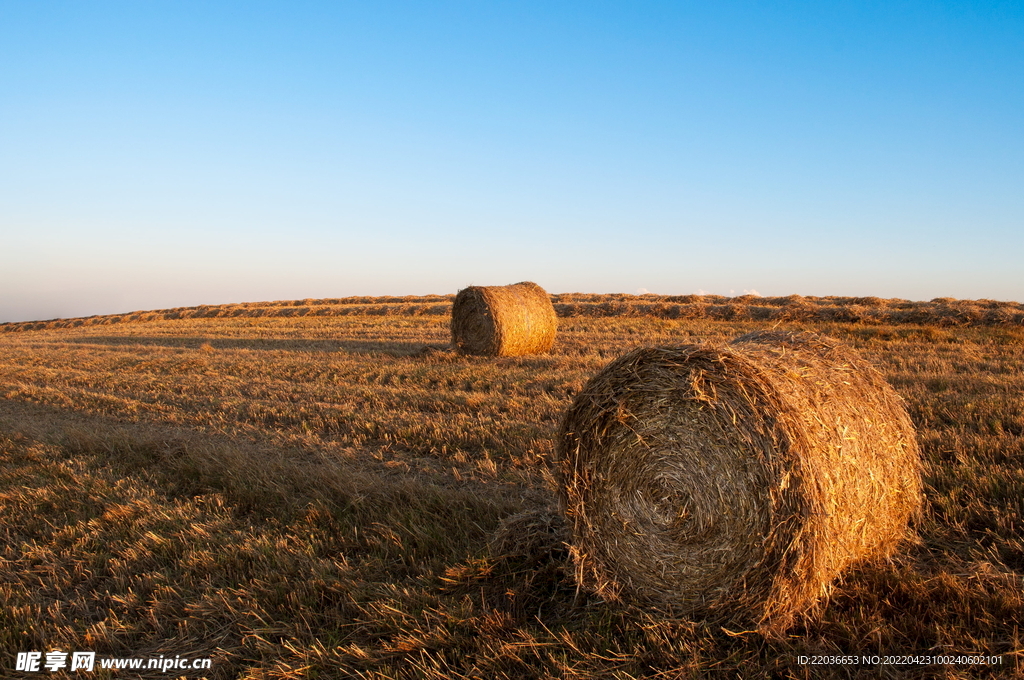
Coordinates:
735	483
503	321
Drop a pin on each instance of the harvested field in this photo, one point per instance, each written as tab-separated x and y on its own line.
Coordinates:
308	495
870	311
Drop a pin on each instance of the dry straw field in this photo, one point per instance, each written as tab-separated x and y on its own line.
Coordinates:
319	488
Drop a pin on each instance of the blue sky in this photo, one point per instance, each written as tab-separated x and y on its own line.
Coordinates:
164	154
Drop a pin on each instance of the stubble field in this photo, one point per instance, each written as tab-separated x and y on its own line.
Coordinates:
310	495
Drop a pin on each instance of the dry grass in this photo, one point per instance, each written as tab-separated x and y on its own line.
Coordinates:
319	497
873	311
735	482
503	321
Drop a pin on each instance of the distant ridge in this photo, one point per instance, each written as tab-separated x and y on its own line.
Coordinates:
860	310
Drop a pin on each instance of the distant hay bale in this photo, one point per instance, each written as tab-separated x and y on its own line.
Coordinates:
735	483
503	320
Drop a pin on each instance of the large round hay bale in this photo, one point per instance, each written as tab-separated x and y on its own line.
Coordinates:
503	321
737	482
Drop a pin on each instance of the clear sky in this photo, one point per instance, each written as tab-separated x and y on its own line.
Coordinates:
158	154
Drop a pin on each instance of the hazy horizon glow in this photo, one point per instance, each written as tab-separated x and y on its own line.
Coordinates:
172	154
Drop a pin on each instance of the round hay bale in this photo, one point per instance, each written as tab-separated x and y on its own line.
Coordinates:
503	321
737	482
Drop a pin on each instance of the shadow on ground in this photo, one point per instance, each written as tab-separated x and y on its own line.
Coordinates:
390	347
